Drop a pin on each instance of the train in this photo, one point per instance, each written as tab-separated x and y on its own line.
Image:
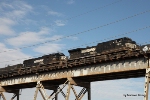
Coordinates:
102	52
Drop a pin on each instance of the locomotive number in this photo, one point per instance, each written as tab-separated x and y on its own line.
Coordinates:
37	61
88	50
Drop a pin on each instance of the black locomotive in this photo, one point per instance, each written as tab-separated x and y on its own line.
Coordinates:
44	63
81	52
40	63
109	46
13	70
105	51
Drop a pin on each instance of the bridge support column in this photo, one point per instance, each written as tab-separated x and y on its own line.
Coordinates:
16	94
56	96
146	88
89	91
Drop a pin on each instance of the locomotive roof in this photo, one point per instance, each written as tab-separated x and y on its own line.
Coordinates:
53	54
32	59
77	49
127	38
124	38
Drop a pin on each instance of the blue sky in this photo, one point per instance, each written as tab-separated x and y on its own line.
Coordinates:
30	28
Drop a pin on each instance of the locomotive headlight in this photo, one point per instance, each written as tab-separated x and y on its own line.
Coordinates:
145	49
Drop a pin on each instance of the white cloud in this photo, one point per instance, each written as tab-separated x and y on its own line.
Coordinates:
54	13
70	2
25	38
11	14
6	21
9	56
18	9
16	14
45	30
56	37
117	88
31	38
49	48
5	26
73	38
6	5
28	22
59	23
6	30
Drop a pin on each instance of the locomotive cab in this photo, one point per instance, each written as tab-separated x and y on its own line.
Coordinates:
75	53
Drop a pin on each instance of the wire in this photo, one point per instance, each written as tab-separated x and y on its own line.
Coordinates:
79	15
93	10
81	32
145	43
87	43
113	37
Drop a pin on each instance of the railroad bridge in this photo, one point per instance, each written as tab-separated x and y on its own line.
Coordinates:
82	76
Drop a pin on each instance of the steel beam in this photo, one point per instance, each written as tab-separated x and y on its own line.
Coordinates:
82	83
10	90
96	69
74	92
64	95
41	89
77	82
59	89
72	74
2	95
15	95
146	88
56	96
89	92
68	91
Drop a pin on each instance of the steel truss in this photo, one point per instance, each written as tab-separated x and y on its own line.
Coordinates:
70	82
2	96
16	93
1	93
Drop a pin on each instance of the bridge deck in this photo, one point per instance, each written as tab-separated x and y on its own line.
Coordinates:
127	68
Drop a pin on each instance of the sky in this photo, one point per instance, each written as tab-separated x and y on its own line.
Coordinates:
32	28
